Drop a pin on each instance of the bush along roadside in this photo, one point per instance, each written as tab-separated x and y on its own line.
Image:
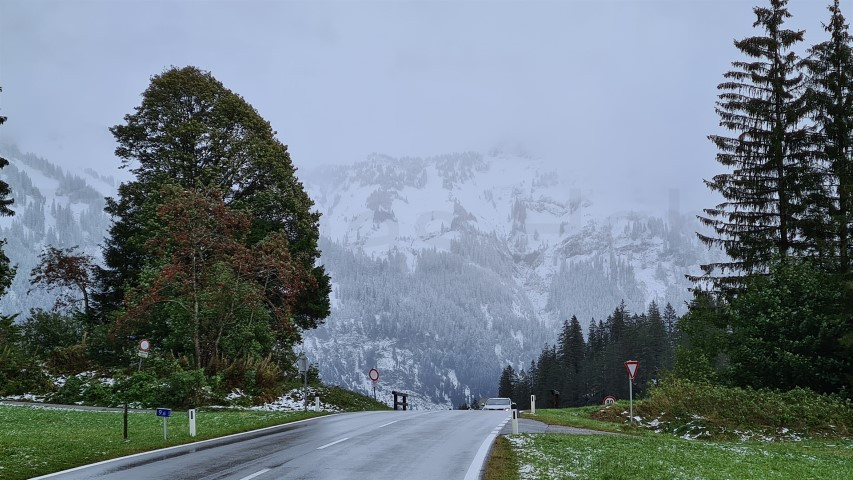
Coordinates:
166	382
699	410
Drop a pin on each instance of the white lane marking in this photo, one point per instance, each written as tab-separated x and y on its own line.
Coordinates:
333	443
386	424
49	475
256	474
480	458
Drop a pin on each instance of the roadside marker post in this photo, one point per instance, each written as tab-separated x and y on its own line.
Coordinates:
191	414
631	366
533	404
316	404
165	413
515	421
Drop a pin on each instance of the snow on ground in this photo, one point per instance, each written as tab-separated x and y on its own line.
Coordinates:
288	402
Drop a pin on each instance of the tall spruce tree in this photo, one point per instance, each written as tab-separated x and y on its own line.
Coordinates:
571	346
7	271
571	352
830	67
508	382
762	103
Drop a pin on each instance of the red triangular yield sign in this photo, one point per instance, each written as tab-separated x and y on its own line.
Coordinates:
631	366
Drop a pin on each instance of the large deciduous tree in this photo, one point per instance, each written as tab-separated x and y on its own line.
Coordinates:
192	132
68	271
768	156
211	294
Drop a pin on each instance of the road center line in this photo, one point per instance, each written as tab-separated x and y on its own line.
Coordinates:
256	474
386	424
333	443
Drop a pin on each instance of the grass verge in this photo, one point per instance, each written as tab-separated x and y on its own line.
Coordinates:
663	456
580	417
35	441
503	461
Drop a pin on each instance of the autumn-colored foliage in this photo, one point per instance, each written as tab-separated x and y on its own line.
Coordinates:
211	286
69	272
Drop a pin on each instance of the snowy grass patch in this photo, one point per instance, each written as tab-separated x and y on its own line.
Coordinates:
664	456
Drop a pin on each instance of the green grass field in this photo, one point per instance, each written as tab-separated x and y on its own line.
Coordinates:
554	456
36	441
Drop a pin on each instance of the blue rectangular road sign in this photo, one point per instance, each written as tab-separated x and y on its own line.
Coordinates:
164	412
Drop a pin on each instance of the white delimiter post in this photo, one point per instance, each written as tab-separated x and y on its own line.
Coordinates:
191	413
515	421
316	404
533	404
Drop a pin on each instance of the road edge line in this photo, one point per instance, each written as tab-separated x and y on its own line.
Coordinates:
183	445
479	462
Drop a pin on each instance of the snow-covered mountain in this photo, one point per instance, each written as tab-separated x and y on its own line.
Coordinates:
447	268
54	206
444	269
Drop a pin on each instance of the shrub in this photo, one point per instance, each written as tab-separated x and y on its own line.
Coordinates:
259	378
84	388
20	373
679	405
43	332
71	360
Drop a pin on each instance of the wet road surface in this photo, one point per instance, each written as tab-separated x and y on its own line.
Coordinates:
389	445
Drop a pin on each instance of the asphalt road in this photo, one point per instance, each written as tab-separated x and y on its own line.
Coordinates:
397	445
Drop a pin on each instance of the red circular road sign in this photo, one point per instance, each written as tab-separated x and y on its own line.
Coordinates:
609	400
144	345
373	374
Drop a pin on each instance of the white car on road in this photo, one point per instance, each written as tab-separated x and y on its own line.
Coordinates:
498	404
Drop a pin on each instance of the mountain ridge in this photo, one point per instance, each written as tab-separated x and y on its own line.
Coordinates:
444	268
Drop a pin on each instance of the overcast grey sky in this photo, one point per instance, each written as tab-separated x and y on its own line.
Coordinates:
620	92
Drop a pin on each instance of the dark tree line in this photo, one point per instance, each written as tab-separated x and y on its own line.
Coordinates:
580	371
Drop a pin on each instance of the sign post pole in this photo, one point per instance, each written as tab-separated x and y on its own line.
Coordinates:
373	374
631	366
631	399
144	346
165	413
